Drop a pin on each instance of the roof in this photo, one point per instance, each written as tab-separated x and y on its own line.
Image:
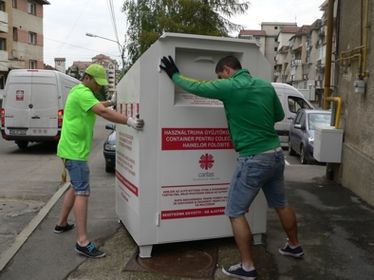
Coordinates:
80	65
279	23
289	29
42	2
305	29
317	24
245	32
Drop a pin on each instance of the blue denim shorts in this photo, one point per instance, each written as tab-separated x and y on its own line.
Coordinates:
263	171
79	176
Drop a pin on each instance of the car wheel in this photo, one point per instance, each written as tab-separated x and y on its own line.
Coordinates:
22	145
303	159
291	151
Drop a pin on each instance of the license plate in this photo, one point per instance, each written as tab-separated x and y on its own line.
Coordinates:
17	132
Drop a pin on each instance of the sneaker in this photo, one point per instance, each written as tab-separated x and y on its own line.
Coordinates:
89	251
238	272
293	252
61	229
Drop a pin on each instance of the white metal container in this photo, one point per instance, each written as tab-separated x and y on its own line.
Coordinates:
328	144
172	178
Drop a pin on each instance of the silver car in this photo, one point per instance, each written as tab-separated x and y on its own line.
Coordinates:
301	137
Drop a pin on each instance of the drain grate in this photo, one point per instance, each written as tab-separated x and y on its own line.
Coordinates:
187	259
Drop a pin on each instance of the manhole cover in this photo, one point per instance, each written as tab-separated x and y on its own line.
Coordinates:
188	259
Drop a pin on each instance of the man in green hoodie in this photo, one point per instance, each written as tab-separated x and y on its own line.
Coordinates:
252	108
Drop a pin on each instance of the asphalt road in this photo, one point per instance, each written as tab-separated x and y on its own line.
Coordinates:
29	178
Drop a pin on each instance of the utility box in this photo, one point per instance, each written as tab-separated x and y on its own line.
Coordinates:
328	142
173	176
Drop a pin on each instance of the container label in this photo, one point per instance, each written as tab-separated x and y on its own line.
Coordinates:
195	139
188	201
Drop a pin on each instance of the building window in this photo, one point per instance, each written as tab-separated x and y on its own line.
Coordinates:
31	8
32	38
2	6
15	34
14	4
33	64
2	44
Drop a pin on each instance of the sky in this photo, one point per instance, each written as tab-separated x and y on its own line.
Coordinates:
66	23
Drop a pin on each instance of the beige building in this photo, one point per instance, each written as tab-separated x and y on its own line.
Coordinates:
355	86
21	35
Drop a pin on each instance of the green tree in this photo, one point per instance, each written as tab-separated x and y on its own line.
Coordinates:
148	19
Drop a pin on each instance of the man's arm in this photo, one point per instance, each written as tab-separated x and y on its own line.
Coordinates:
217	89
116	117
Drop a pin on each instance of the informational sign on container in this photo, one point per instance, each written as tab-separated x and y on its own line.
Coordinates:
172	177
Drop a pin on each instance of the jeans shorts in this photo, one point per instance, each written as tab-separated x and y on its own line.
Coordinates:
263	171
79	176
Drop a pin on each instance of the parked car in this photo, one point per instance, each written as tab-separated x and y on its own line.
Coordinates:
292	101
109	149
301	137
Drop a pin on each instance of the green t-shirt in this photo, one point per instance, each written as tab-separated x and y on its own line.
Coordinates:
78	124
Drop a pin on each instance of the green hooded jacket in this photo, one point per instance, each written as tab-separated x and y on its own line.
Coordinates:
251	105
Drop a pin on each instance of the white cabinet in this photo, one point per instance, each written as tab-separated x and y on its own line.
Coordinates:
328	144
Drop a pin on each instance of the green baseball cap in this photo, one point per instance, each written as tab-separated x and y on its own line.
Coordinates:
97	72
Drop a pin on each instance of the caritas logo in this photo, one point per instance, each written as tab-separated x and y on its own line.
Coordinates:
206	161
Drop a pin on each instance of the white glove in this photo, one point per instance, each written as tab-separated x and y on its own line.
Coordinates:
135	123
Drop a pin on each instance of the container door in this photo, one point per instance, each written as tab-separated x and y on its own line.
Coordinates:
17	110
44	106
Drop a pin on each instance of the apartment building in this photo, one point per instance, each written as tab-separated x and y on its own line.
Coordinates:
283	59
267	38
297	53
21	35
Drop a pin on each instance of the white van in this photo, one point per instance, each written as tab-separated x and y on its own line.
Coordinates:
33	105
292	101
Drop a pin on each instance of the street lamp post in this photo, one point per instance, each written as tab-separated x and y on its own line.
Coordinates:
121	49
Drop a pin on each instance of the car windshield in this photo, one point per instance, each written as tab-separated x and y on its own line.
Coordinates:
316	119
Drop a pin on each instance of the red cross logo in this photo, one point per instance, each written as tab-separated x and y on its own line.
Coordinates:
206	161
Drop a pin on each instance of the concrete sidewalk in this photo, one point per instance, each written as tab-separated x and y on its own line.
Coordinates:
335	227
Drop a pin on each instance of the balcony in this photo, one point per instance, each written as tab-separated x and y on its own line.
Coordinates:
3	22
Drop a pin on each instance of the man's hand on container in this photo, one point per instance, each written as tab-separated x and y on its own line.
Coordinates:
135	123
168	65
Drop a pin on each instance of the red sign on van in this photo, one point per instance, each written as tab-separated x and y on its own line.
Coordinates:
20	94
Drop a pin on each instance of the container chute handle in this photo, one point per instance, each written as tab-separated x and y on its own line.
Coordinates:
204	59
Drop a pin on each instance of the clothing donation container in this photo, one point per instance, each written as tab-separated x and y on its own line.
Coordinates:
173	176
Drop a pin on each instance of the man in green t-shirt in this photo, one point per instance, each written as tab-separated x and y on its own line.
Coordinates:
252	108
74	148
